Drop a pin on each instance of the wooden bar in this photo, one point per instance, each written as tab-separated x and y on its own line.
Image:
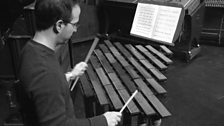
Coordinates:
94	61
118	68
124	51
159	107
100	93
159	54
134	52
116	81
104	62
147	64
89	96
143	72
104	48
121	59
102	76
114	98
158	74
147	108
132	108
86	86
132	72
128	83
156	86
111	47
110	57
166	51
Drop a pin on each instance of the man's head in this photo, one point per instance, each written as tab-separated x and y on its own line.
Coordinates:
60	15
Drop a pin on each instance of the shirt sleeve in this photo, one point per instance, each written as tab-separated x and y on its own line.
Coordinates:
52	104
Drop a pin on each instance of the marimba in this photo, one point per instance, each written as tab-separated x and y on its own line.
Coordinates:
116	70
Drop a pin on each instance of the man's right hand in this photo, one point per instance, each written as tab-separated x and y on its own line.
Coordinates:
112	118
78	70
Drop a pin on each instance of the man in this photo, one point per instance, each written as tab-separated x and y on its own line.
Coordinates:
41	77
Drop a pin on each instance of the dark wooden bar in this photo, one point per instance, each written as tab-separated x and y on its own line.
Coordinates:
89	96
100	93
156	86
160	55
165	50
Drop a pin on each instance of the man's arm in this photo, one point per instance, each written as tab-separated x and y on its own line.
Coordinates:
54	105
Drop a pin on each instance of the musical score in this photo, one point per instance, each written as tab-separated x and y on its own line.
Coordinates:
156	22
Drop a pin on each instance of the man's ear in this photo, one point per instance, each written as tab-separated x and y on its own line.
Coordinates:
58	26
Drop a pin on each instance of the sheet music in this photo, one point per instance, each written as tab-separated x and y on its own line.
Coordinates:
156	21
144	20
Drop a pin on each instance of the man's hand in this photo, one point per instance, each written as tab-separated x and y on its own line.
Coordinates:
78	70
112	118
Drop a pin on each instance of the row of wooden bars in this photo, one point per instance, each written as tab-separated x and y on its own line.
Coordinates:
116	70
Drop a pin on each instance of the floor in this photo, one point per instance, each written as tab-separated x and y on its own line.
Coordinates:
196	90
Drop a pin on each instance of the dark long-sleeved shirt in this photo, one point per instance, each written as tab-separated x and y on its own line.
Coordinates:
47	89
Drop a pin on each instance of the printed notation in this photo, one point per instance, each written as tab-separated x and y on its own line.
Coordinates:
157	22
